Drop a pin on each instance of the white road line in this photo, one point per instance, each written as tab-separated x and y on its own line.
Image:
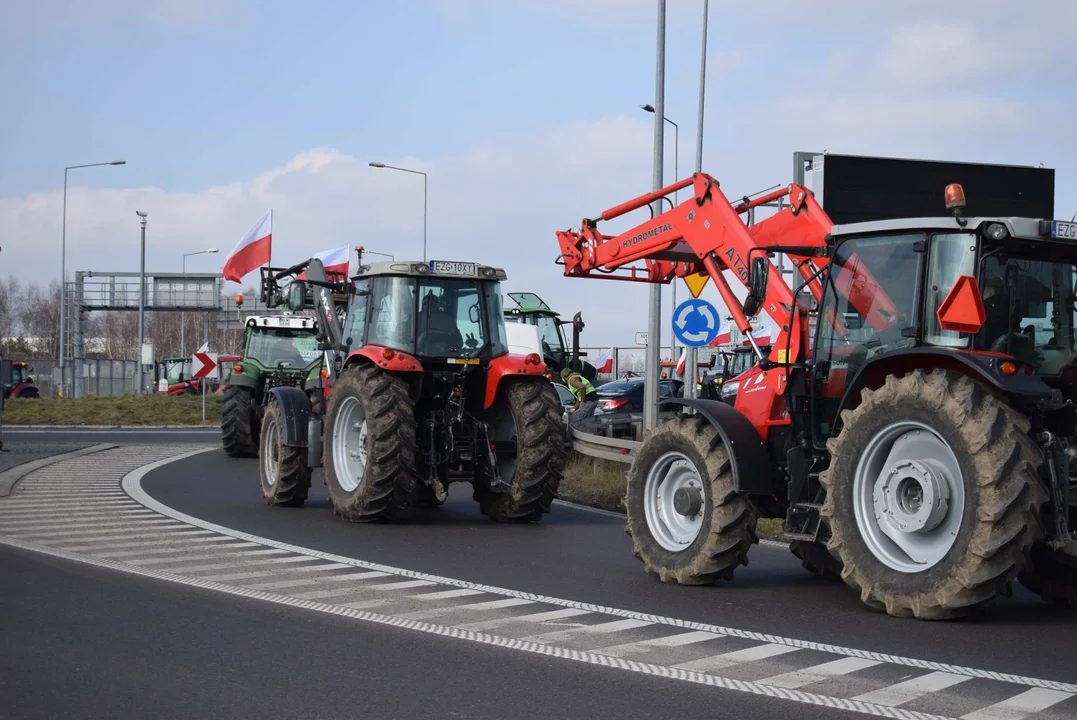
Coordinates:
132	484
472	607
269	572
818	673
109	530
238	564
134	512
1020	706
903	692
81	528
179	550
174	541
669	641
406	585
533	618
444	594
597	629
184	557
459	633
737	657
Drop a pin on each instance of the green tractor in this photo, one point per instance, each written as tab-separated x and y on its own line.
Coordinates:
277	350
531	310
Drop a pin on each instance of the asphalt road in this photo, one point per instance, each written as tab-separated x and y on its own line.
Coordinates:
84	642
585	556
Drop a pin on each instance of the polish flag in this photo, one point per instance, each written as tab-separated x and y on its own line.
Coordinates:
722	339
681	363
335	260
254	250
605	361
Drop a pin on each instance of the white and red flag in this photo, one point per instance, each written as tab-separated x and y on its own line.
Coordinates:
335	260
253	251
682	362
604	364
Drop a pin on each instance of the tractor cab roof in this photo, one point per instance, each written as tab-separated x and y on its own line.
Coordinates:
447	269
527	302
1019	228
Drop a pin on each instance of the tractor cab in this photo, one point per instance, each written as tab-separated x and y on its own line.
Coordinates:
22	382
556	352
176	372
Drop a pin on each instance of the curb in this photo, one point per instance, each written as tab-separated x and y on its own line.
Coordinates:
9	477
206	428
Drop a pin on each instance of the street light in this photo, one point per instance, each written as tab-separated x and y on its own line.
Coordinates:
183	326
417	172
676	176
63	262
141	299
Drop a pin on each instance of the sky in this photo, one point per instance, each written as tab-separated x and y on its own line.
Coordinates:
524	114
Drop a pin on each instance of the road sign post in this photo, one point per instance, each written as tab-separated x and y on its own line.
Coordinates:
204	366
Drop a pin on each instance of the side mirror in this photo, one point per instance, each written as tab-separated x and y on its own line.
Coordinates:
577	322
297	292
757	285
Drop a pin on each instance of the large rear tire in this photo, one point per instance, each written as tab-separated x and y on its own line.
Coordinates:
283	469
529	412
933	495
370	445
239	430
687	523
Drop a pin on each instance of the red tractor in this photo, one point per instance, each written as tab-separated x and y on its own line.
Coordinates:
917	444
22	383
419	392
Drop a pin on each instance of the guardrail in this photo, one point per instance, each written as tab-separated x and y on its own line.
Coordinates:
606	448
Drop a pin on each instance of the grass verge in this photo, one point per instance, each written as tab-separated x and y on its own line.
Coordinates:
599	483
115	410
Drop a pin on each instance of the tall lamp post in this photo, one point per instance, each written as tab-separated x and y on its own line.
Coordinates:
141	299
417	172
183	325
676	176
63	263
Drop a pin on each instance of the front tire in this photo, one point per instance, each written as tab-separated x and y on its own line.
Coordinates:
283	469
371	448
933	495
239	430
687	523
528	411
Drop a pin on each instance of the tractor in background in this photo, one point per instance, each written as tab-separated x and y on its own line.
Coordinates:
21	383
532	310
278	351
421	392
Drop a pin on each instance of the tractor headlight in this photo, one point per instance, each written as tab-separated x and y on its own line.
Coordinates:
729	390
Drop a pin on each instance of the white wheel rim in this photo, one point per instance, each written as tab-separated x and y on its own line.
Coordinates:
908	497
270	452
350	444
672	528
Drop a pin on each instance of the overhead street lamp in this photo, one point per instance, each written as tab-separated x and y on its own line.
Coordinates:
676	176
183	326
417	172
63	262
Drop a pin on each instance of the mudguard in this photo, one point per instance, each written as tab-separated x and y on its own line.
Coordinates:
243	381
295	410
747	455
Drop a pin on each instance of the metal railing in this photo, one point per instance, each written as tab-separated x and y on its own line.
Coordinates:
617	450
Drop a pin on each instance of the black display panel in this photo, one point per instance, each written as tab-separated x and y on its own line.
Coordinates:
860	189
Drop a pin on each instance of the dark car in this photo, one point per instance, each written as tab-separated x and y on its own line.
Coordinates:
626	395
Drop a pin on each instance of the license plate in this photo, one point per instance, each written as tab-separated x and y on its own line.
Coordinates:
446	267
1064	230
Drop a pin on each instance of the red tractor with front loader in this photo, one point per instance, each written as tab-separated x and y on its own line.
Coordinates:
419	391
917	444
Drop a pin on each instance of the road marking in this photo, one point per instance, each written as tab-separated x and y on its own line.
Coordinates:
817	673
737	657
601	628
913	689
680	647
1020	706
669	641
